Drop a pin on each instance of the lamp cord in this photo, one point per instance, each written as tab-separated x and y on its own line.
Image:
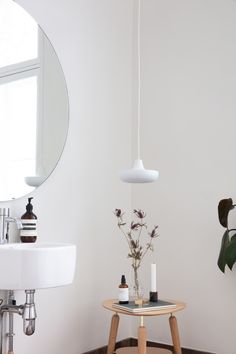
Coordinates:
139	76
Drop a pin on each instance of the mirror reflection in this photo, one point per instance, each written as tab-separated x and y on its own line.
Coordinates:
33	103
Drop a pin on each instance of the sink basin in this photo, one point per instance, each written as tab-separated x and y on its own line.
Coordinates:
36	265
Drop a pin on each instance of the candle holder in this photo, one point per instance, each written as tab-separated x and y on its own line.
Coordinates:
153	297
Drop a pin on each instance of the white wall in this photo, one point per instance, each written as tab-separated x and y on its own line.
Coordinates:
189	107
189	90
93	41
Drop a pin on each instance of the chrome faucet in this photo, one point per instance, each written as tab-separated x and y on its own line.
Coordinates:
4	213
5	219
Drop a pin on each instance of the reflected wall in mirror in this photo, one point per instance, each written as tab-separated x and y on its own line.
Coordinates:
33	103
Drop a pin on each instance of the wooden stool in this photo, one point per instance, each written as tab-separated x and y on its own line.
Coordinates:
134	350
142	332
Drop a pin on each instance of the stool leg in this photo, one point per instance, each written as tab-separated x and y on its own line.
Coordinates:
175	334
142	340
113	333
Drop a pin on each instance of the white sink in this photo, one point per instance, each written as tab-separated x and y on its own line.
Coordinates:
36	265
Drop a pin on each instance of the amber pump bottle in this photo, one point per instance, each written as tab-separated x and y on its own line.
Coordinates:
29	223
123	295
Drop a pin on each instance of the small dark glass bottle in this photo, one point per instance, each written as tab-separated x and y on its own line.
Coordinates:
29	223
123	296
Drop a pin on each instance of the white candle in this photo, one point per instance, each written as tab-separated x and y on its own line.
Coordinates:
153	277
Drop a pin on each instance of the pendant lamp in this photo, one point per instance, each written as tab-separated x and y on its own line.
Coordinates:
138	174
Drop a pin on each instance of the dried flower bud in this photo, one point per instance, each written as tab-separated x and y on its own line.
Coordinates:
134	226
118	213
154	234
139	213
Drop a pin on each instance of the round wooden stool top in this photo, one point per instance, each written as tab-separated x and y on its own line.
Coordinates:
150	350
108	304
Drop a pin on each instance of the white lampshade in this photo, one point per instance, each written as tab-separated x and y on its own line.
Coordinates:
34	181
138	174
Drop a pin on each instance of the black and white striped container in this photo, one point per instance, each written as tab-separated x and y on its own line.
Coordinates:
29	223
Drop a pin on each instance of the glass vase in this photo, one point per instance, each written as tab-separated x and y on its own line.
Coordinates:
136	290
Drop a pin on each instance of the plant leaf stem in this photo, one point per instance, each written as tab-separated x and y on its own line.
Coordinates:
147	248
125	236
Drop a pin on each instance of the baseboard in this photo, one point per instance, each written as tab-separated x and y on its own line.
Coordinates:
103	350
132	342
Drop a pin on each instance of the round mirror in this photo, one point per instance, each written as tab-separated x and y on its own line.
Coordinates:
33	103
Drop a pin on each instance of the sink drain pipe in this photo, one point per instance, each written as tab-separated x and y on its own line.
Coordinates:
27	311
10	334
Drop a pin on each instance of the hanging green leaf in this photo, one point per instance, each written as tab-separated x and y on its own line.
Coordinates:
230	252
224	207
222	257
233	237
